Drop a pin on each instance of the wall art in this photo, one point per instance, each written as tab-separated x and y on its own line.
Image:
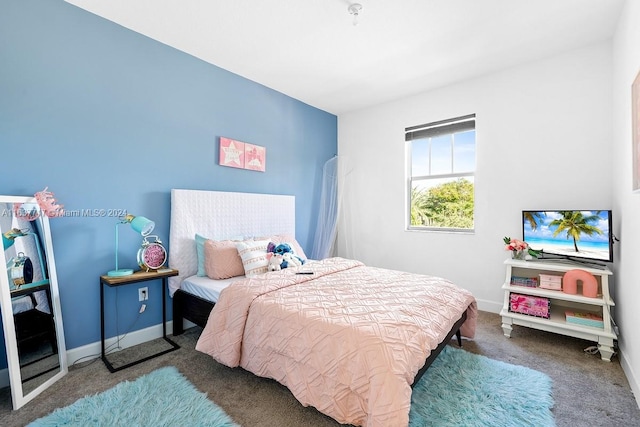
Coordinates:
238	154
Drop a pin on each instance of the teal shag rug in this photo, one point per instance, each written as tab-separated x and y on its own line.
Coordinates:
163	397
466	389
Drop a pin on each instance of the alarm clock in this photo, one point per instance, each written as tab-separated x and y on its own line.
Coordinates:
151	255
20	270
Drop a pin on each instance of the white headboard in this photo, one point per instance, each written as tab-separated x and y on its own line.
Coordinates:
222	215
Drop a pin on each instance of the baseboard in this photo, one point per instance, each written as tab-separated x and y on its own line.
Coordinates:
187	324
489	306
94	350
630	374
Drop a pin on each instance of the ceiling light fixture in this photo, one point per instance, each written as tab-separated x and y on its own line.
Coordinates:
354	9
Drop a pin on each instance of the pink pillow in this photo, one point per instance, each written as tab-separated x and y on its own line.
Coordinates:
286	238
221	259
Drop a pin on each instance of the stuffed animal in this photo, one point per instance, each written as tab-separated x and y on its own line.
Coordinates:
275	261
291	260
284	249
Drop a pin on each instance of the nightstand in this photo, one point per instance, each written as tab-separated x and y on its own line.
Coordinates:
137	277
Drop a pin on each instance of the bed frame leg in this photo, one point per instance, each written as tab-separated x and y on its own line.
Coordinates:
459	337
178	326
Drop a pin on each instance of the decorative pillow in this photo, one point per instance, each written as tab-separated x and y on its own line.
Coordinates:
200	252
286	238
222	260
200	240
254	256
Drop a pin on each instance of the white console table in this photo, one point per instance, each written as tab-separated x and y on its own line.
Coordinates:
560	302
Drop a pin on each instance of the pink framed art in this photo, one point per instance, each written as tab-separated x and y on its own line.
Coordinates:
238	154
254	157
231	153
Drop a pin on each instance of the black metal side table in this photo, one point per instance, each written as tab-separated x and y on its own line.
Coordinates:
137	277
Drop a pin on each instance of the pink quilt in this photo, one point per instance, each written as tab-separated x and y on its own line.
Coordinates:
348	339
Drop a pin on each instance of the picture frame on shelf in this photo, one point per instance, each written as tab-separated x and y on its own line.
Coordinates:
530	305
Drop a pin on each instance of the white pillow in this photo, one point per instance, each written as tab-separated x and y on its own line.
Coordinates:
254	256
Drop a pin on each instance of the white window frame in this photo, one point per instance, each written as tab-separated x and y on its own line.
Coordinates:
431	130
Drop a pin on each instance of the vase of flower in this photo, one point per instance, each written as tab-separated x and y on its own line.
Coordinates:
519	249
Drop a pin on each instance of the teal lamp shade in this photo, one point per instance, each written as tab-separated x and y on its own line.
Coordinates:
140	225
6	242
9	238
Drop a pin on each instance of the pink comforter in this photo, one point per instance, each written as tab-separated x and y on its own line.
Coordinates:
348	339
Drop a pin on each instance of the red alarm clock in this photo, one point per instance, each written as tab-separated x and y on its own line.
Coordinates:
151	255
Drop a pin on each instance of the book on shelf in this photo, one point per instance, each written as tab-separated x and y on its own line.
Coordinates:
585	319
529	282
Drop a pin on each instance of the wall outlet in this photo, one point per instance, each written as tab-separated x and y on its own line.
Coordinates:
143	294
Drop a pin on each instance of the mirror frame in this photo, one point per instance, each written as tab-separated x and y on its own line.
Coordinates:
18	397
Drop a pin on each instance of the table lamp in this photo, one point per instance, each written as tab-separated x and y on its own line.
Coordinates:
8	238
140	225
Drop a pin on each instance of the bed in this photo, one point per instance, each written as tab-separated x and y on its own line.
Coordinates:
346	338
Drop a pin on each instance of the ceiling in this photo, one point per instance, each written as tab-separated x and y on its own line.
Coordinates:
311	51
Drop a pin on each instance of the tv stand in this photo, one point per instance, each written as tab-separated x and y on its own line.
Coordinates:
559	302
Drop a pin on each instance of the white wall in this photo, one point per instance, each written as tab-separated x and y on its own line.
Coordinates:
544	142
626	65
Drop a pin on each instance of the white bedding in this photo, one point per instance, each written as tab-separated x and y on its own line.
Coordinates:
25	303
21	304
206	288
219	215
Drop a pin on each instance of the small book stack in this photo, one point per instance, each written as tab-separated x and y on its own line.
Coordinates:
530	282
584	319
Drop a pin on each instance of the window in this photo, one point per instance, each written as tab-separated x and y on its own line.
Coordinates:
441	158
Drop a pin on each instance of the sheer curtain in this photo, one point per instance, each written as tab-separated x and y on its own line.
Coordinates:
327	226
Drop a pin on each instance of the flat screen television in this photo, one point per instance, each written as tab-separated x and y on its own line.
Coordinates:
575	235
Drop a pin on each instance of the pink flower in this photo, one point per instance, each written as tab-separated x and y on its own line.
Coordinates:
515	244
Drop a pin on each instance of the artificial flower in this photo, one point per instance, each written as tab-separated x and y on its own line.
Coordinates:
517	245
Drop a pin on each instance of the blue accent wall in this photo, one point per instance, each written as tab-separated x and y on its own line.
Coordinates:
110	119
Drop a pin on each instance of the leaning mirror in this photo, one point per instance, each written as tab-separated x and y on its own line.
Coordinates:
29	300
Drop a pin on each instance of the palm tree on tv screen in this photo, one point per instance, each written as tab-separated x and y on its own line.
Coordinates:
533	217
574	223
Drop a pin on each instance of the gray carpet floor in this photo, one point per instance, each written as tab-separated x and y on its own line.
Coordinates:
587	390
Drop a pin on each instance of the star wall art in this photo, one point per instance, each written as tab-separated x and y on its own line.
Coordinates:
238	154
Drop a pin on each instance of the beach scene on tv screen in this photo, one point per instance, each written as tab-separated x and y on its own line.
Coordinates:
583	234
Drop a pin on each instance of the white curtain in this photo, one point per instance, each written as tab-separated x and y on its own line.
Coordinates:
334	170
